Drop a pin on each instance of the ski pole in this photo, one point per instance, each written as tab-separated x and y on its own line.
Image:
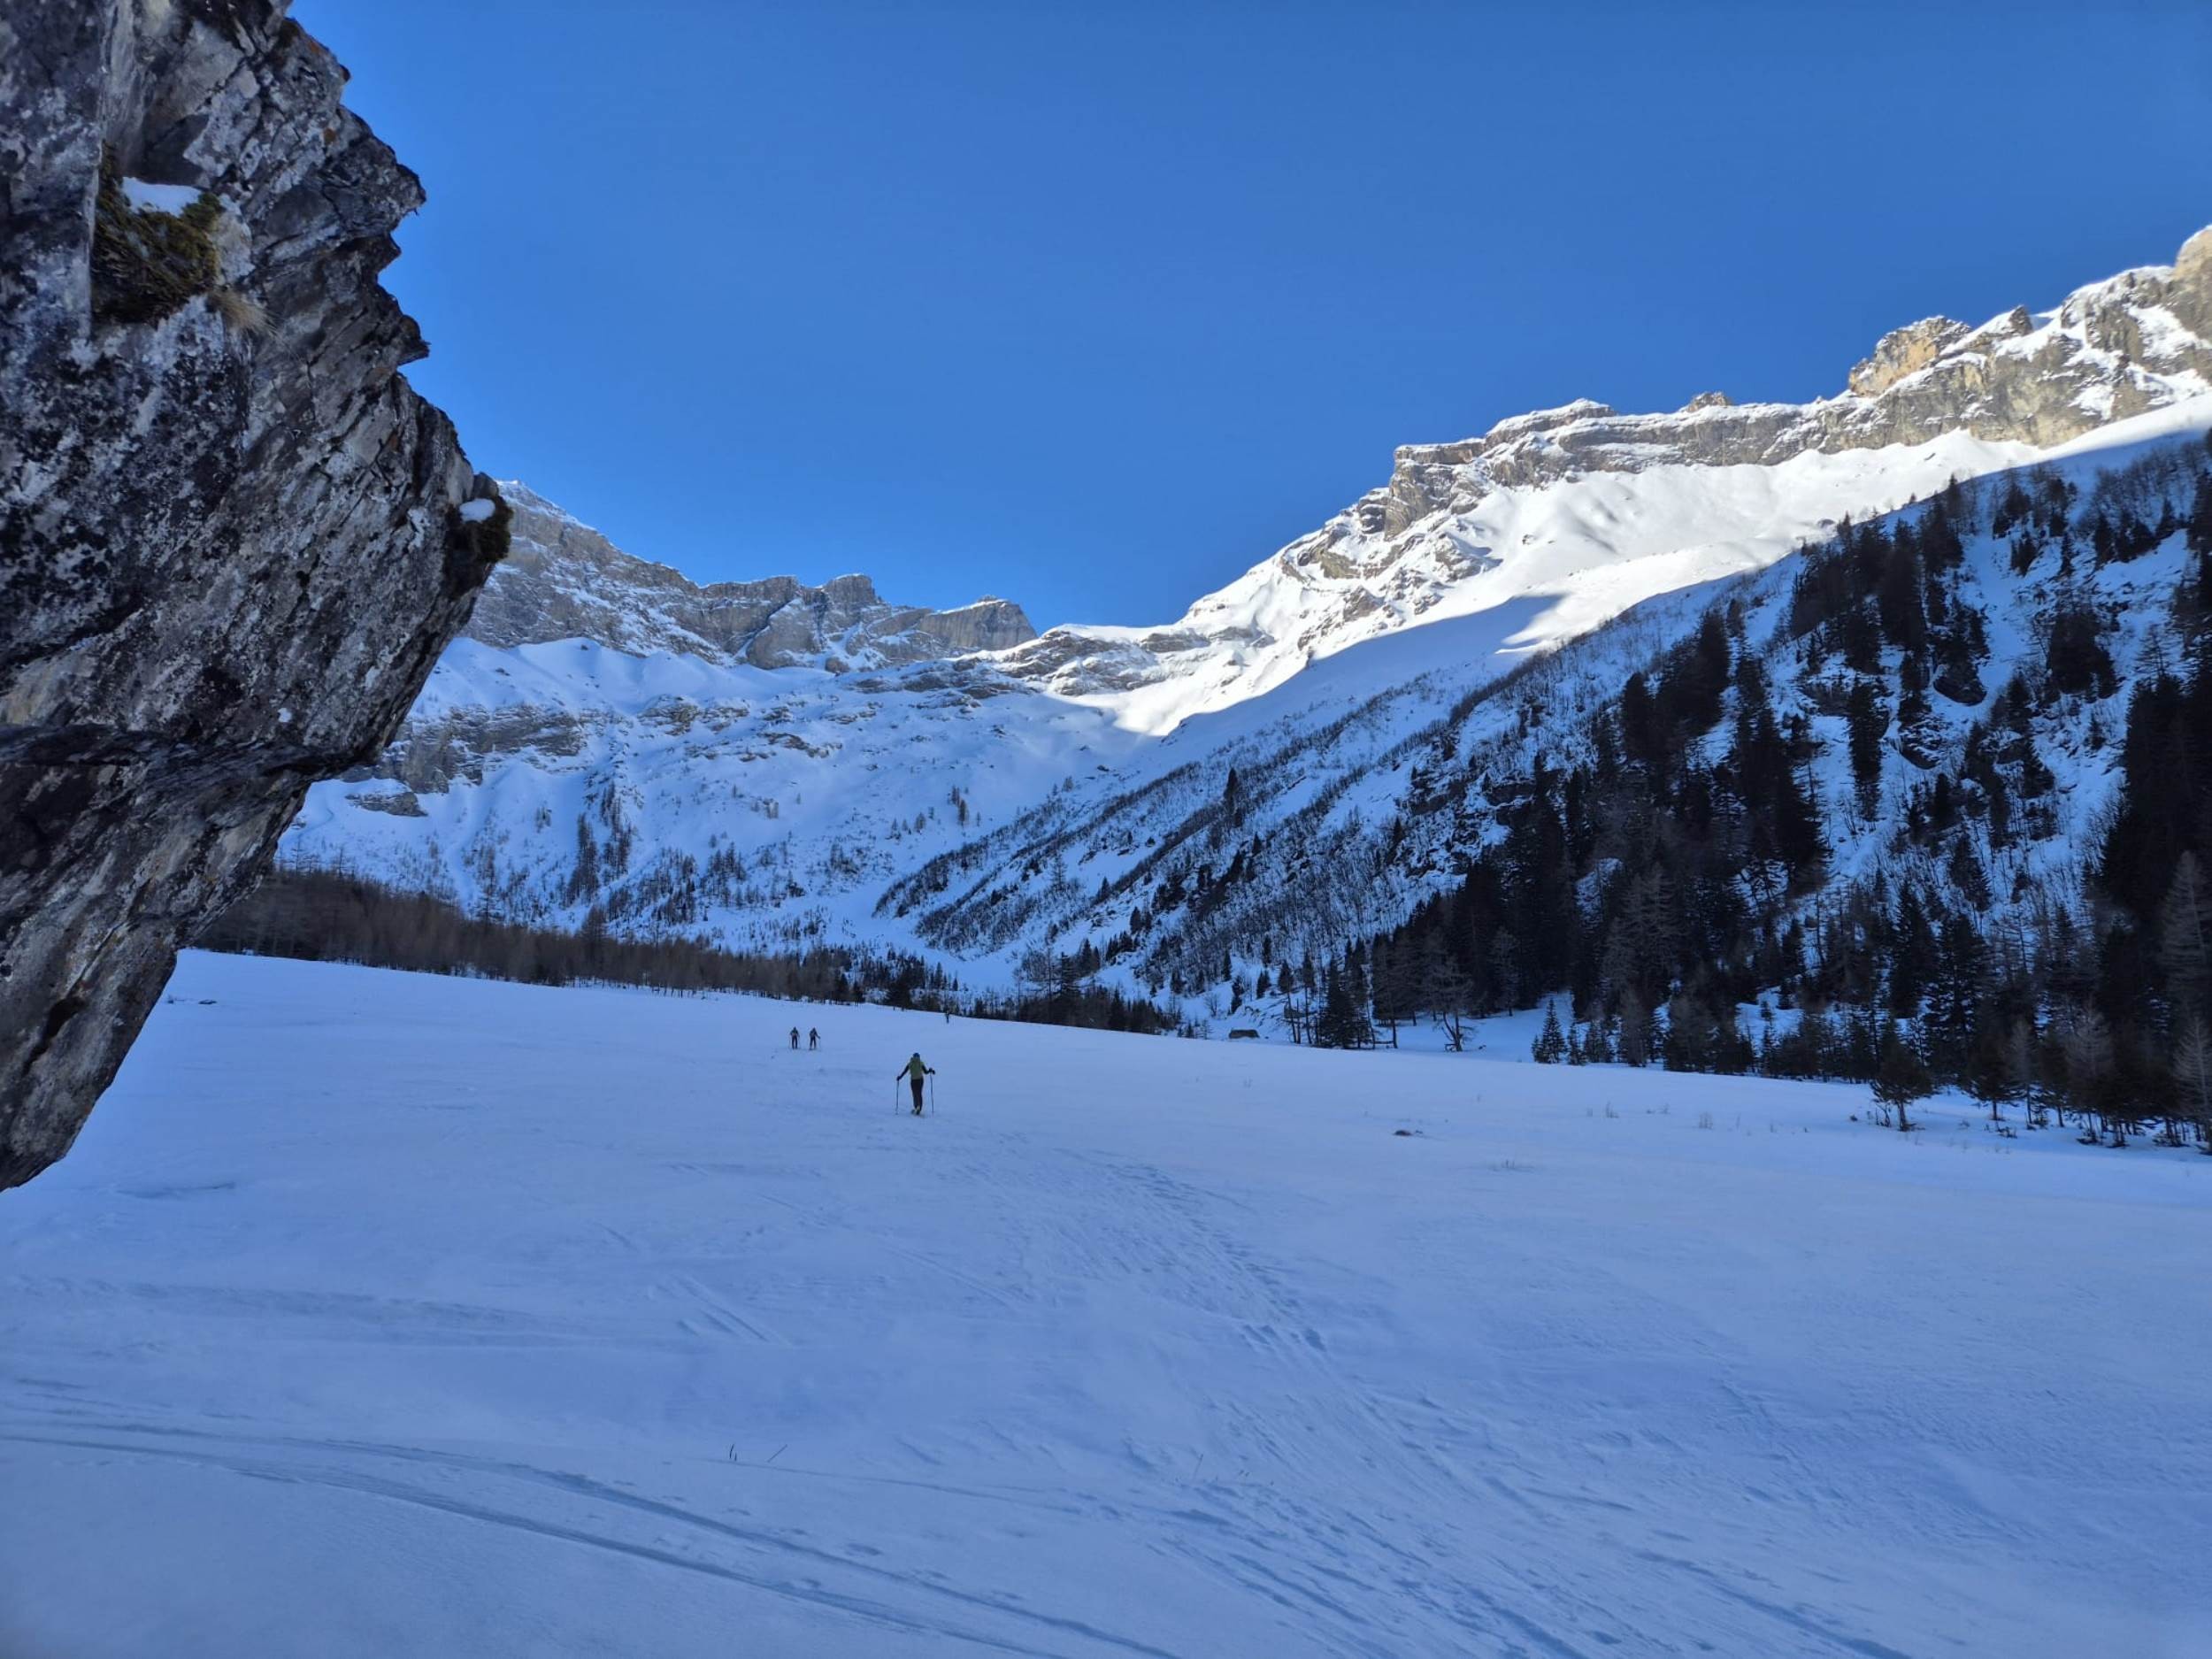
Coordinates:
933	1094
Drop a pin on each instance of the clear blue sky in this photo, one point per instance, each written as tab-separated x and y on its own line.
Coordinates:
1094	306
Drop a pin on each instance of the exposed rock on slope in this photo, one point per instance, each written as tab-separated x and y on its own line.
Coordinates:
232	540
566	580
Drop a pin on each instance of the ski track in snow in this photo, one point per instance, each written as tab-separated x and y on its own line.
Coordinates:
378	1313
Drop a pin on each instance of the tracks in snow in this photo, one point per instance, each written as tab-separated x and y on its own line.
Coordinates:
1457	1545
586	1510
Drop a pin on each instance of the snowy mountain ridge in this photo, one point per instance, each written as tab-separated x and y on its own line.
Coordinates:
1600	509
768	765
563	579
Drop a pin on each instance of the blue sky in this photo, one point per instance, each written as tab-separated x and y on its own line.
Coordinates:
1094	306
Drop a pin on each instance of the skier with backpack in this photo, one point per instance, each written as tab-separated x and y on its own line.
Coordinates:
914	1071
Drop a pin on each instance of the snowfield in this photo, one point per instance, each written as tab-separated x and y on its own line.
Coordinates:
379	1314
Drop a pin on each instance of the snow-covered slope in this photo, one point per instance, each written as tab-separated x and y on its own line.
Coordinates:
671	793
765	765
1338	827
377	1314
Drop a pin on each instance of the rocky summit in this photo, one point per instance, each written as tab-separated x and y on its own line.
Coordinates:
233	539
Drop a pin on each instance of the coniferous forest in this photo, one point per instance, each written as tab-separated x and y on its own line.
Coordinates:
1865	880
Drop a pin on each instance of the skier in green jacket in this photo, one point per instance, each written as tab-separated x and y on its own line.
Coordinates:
914	1071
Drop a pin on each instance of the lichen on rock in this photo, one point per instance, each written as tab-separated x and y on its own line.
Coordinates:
230	545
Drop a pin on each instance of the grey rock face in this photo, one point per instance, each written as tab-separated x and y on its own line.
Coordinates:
563	579
2114	349
401	804
231	537
431	752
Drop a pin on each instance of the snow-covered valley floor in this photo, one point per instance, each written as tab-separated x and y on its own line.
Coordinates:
378	1314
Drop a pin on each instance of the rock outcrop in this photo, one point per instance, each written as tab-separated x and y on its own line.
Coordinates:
566	580
233	539
2133	343
1904	351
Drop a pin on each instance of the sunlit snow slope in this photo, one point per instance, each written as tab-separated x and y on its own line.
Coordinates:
377	1314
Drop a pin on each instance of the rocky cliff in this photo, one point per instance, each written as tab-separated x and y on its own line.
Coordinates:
2115	349
565	581
233	539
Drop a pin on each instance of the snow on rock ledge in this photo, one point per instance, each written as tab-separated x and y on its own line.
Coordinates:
231	543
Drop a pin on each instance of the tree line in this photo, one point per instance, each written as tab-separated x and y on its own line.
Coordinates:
321	915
